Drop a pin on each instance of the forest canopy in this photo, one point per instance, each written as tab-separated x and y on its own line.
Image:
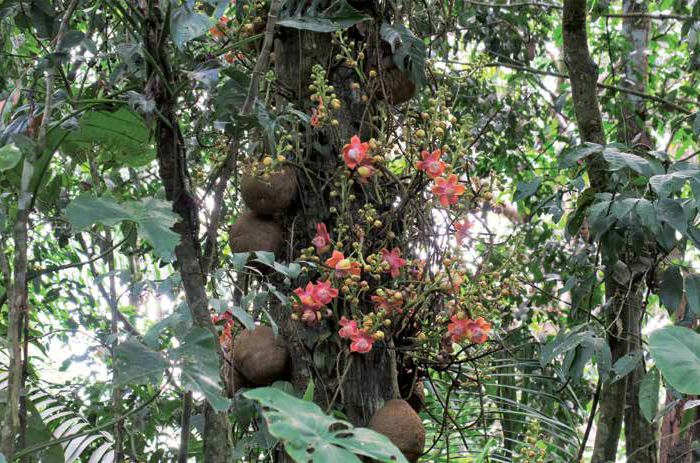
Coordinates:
349	230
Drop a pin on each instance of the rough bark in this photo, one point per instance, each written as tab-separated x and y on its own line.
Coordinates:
640	442
172	164
357	383
583	74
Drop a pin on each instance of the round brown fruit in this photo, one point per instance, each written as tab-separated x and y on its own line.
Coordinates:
251	232
271	195
417	398
404	428
260	356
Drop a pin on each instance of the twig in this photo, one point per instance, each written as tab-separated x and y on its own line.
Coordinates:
264	58
591	417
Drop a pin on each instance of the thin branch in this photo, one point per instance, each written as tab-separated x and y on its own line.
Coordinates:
264	58
605	86
516	5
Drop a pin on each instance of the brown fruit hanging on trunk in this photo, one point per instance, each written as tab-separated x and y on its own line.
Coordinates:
253	232
417	397
260	356
271	195
402	425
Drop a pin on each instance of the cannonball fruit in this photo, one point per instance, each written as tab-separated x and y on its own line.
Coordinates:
417	398
251	232
397	421
260	356
270	195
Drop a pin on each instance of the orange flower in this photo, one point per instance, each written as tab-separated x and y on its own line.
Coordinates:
343	266
475	331
431	163
448	189
219	29
355	152
462	227
230	57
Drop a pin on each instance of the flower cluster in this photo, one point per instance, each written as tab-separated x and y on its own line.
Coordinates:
361	340
461	328
312	299
219	29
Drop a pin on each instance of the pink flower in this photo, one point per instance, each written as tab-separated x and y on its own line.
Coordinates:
462	227
314	118
448	189
343	266
306	297
323	293
394	260
475	331
355	152
361	343
322	240
348	328
431	163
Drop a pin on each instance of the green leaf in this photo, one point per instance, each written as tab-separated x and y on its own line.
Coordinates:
671	212
562	343
138	364
122	136
626	364
409	52
309	393
665	184
338	16
186	25
199	363
154	218
311	436
243	317
676	352
10	155
671	289
649	394
571	156
692	292
618	160
266	257
239	259
526	189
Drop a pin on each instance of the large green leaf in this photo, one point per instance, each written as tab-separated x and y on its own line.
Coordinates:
665	184
676	352
186	25
618	160
409	52
692	292
339	15
311	436
671	289
154	218
649	394
122	136
10	155
199	362
137	364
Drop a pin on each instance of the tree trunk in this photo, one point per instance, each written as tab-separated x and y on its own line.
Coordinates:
173	172
366	378
640	443
583	74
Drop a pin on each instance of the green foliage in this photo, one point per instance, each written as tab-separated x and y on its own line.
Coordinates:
309	435
153	217
196	357
676	352
338	16
409	52
9	156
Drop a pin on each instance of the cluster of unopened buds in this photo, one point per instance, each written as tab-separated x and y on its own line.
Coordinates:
323	94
